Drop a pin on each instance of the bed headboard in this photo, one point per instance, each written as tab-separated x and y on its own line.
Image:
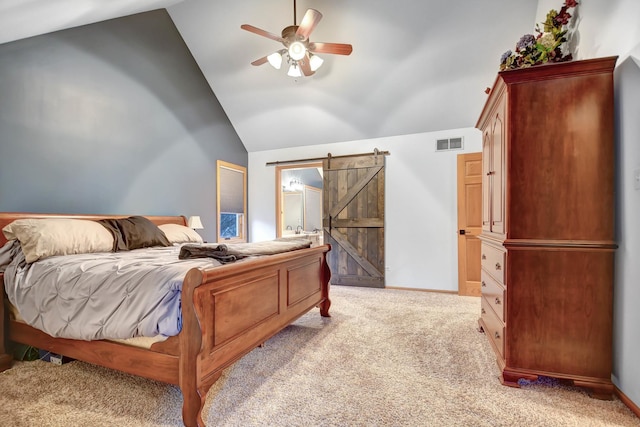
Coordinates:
8	217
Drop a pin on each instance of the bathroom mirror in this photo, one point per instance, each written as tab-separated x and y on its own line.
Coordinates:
292	210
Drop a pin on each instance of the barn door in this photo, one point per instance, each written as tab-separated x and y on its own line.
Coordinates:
353	218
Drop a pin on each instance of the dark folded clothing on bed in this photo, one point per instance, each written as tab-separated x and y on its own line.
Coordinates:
234	251
219	252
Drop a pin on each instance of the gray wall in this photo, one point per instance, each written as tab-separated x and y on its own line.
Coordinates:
114	118
626	337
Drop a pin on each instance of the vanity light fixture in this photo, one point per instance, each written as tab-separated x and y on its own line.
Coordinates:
296	185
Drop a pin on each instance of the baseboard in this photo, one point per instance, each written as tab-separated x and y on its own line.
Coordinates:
397	288
623	397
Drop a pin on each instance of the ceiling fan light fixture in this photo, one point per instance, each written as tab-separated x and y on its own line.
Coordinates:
315	62
294	71
275	59
297	50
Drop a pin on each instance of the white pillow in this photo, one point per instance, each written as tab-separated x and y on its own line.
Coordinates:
45	237
177	233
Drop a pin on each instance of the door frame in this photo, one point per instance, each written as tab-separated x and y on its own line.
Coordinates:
279	169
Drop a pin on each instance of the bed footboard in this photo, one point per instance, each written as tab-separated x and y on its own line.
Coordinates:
239	306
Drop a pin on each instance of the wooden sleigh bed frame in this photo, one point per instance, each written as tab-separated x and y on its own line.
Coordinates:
227	311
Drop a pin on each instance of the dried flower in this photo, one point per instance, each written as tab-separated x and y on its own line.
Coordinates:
548	41
546	46
563	17
505	55
550	22
525	42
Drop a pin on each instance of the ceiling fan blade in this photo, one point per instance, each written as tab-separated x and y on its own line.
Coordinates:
261	32
259	61
334	48
309	22
305	66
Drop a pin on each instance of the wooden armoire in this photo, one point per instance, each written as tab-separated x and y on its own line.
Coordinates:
548	223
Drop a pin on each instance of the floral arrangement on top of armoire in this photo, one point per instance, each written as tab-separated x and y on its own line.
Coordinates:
548	45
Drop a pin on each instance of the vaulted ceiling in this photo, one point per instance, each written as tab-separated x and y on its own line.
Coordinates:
417	65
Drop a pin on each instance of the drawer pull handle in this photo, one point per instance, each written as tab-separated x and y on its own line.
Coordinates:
484	285
497	301
484	256
497	335
483	311
498	266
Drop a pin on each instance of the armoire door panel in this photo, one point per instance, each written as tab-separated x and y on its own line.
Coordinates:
562	318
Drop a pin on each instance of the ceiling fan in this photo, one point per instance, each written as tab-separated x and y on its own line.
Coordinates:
300	53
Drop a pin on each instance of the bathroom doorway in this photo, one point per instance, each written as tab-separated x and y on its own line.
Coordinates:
299	201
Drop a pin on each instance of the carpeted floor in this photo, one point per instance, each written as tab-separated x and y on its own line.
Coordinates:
384	358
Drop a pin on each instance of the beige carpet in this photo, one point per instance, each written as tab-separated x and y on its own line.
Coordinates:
385	358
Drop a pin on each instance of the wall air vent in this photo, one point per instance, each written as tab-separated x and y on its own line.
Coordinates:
449	144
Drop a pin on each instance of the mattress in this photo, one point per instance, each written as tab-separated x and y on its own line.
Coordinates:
142	342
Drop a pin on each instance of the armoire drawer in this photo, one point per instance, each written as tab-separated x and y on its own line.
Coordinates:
494	294
492	260
494	328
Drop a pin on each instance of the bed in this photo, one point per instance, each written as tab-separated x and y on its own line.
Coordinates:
272	290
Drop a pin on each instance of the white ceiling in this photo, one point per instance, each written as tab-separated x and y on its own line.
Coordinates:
417	65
